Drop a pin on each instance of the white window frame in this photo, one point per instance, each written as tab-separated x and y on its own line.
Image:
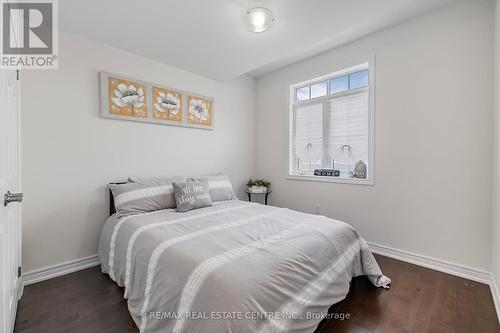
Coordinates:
370	180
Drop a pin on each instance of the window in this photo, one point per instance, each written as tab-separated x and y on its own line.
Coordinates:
339	84
303	93
319	89
331	127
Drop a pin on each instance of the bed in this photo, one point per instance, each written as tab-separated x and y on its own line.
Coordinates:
233	267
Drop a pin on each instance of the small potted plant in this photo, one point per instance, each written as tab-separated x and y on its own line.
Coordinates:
258	185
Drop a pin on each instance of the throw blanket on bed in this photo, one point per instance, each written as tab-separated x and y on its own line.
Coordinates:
233	267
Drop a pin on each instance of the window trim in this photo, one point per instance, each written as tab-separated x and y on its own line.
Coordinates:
346	69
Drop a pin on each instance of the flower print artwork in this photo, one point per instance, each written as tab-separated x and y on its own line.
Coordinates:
132	99
167	104
200	111
127	98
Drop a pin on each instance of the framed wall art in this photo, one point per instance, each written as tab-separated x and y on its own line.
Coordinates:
127	97
200	110
135	100
167	104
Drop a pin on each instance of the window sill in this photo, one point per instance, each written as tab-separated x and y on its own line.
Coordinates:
326	179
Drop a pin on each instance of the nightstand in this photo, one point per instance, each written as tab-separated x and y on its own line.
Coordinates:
266	194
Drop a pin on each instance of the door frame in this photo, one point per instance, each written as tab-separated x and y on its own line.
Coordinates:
20	290
11	78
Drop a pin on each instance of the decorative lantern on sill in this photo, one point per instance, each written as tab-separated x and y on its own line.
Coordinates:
309	154
344	162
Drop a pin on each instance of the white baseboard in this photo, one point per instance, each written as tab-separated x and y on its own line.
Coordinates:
413	258
432	263
59	269
496	295
442	266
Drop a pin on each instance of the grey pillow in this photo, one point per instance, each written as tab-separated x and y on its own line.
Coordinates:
191	195
158	181
220	187
144	195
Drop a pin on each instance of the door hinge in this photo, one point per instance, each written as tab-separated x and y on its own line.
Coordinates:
19	272
17	74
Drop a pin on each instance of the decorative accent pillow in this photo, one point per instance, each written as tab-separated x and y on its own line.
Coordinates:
191	195
144	195
220	187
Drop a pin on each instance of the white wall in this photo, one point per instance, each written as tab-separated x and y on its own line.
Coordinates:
433	136
496	165
70	153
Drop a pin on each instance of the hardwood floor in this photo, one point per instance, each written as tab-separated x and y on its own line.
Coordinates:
420	300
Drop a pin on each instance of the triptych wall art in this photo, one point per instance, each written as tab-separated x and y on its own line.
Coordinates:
130	99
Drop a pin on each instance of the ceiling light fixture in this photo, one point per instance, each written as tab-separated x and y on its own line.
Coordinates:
259	19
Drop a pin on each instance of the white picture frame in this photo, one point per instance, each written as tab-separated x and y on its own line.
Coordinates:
110	109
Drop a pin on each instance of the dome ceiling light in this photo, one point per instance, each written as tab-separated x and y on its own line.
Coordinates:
259	19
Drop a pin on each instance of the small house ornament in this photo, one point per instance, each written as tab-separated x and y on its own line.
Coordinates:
360	170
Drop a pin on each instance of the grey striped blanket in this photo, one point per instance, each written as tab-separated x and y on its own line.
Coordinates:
233	267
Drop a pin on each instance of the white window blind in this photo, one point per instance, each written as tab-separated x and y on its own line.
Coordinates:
308	137
349	126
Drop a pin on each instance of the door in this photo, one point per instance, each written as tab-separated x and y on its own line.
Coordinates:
10	209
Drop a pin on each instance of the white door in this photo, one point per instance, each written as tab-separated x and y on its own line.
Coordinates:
10	213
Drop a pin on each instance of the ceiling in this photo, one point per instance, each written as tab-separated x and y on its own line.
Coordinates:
209	37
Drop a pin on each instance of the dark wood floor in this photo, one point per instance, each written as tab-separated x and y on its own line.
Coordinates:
420	300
